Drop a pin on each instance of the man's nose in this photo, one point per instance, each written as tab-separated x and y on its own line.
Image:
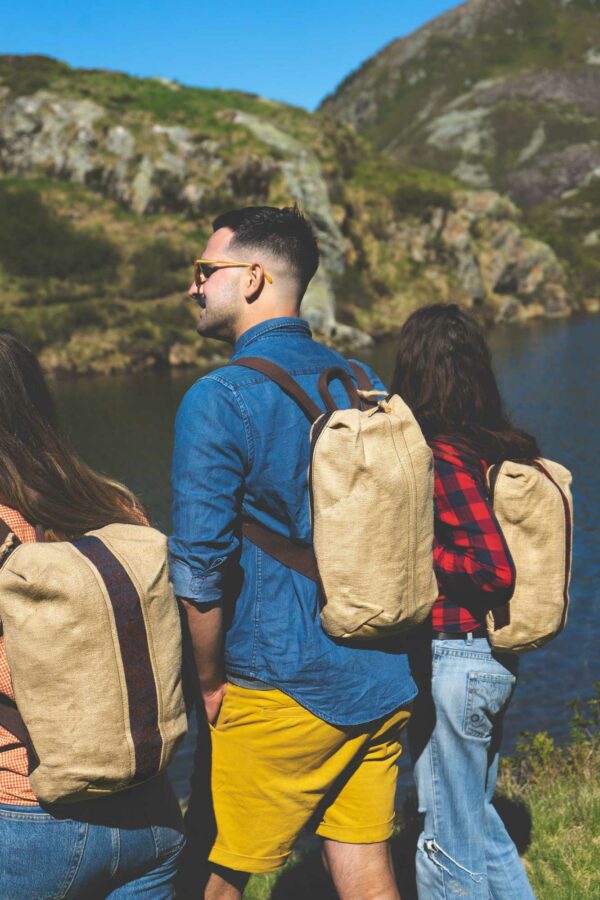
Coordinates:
194	290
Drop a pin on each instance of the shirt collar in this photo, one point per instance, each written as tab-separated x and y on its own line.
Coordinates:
271	328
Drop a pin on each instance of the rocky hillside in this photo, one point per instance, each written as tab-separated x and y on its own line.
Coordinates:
502	94
108	185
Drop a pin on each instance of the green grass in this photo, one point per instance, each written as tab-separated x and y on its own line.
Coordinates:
560	788
122	93
412	191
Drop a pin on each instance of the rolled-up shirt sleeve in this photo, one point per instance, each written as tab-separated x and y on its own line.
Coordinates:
210	459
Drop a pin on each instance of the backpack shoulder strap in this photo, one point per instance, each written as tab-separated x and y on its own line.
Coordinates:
367	391
293	389
285	382
364	382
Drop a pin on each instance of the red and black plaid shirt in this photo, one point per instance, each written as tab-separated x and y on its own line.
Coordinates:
474	568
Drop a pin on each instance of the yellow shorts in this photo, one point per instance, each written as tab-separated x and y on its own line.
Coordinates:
277	768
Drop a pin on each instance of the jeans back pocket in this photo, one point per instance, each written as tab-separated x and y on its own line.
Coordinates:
487	697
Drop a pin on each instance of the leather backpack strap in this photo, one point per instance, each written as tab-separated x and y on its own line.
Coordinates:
364	382
336	373
285	382
283	549
365	386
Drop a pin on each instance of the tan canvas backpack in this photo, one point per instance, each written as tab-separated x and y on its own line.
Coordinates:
371	494
534	507
93	640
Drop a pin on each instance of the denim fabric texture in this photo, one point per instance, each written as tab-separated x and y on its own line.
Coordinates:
242	448
455	733
124	846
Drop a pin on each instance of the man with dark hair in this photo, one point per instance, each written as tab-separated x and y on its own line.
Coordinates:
305	730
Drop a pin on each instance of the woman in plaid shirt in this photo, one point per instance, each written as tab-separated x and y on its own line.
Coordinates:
444	373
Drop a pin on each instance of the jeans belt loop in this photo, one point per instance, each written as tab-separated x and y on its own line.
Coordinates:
469	638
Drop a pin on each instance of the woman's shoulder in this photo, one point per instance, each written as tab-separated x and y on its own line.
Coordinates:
17	523
451	451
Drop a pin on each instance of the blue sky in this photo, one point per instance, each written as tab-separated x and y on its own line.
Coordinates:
295	52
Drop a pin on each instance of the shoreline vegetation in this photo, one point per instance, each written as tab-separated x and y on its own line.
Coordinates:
549	798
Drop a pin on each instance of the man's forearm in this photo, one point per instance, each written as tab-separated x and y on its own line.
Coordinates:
205	627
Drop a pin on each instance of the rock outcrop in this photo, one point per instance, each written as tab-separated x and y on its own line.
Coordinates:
473	253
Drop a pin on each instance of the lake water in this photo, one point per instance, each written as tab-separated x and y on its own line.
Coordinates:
550	376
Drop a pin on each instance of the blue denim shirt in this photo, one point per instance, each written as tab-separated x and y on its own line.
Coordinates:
242	448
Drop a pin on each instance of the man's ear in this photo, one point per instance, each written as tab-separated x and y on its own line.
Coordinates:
253	282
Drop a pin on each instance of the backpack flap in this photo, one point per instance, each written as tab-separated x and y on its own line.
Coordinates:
534	507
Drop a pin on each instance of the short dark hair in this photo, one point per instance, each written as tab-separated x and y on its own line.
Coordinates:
285	233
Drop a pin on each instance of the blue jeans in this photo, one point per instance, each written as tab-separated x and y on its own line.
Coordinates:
122	846
455	732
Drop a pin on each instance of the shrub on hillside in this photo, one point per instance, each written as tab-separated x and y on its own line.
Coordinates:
36	243
24	75
159	268
415	200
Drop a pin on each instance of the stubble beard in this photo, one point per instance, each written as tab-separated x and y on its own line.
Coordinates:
218	319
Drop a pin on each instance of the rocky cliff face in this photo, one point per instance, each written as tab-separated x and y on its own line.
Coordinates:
108	185
153	168
491	92
496	93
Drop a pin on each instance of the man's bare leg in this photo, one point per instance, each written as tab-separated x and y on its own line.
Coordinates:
361	871
225	884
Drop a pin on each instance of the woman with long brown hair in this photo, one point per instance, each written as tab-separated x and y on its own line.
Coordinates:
127	844
444	373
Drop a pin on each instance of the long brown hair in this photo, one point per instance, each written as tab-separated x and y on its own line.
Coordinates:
40	475
444	373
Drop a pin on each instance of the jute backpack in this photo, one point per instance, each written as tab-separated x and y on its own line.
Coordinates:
534	507
93	641
371	494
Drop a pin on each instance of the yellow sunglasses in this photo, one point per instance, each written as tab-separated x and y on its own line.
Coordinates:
204	268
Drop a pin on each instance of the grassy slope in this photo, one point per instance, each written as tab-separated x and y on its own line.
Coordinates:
530	36
118	92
